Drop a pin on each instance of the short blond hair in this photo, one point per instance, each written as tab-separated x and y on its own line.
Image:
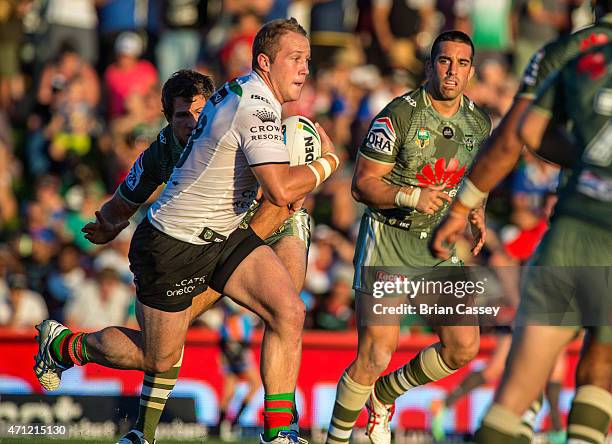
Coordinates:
267	40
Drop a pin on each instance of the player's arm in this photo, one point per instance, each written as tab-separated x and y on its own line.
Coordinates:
268	218
539	126
111	219
282	185
369	188
141	182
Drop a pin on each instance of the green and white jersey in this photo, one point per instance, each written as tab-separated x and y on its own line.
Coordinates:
152	168
557	53
425	149
580	94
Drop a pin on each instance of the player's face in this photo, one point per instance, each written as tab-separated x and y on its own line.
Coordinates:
451	70
185	116
289	69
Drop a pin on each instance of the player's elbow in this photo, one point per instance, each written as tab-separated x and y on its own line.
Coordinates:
527	136
357	188
278	195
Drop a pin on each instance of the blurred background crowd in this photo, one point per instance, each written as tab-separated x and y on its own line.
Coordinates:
80	88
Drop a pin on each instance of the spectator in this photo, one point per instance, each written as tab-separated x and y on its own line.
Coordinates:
22	308
128	74
99	303
397	24
179	43
11	30
74	20
65	280
538	22
335	311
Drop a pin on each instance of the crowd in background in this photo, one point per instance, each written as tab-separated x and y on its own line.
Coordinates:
80	88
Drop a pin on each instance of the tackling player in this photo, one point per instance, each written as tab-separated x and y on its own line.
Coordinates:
502	150
194	234
411	163
578	94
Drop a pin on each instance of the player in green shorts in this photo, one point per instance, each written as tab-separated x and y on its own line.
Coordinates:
183	97
497	159
408	171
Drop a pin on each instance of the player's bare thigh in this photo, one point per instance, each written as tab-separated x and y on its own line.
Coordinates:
532	357
202	303
262	283
291	250
163	336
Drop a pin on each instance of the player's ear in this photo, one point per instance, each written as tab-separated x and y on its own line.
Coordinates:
263	61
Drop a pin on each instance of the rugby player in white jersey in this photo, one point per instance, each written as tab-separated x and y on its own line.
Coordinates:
194	235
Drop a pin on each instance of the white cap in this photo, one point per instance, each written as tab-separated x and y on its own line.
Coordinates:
129	43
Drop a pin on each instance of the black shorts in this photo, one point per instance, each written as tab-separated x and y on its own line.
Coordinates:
169	273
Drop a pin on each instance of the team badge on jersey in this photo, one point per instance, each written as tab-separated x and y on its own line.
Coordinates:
423	137
381	137
469	142
133	178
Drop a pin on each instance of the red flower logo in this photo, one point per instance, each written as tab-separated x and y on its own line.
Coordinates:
442	174
593	40
592	64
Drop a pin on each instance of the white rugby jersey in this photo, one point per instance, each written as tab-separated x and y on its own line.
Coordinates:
212	185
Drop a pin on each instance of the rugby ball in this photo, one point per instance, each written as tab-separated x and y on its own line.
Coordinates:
302	140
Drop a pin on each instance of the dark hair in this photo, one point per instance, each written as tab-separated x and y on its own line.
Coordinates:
451	36
268	37
601	6
187	84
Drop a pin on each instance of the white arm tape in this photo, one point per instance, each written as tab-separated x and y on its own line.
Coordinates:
316	173
408	200
470	196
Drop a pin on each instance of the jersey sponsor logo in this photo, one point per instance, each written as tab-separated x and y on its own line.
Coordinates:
448	175
186	286
266	116
593	65
133	178
410	100
258	97
599	150
448	132
381	136
530	77
592	41
219	96
595	186
423	137
266	132
162	137
602	103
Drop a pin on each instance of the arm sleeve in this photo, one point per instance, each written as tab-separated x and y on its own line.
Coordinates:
543	63
144	176
549	98
386	134
260	135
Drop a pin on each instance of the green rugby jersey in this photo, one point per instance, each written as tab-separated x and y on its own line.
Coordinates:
152	168
557	53
425	149
581	94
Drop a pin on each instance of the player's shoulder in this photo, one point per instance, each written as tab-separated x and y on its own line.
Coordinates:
403	106
477	111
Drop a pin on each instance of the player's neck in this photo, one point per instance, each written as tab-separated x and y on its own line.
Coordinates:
446	108
265	76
